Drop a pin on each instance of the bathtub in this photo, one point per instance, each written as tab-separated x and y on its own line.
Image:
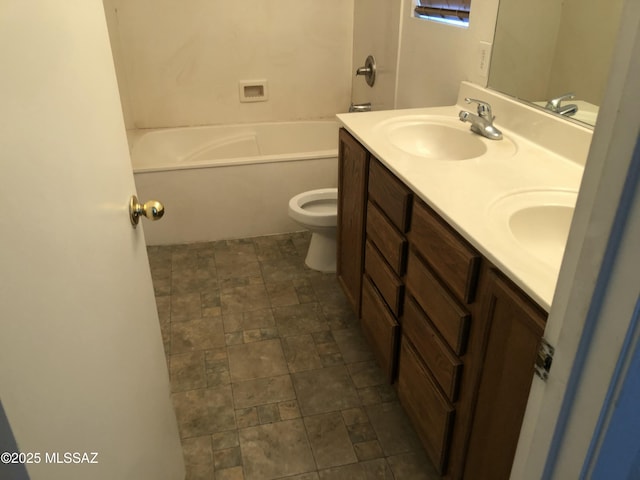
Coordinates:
230	181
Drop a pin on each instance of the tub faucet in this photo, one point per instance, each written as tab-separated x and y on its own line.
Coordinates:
567	110
482	123
360	107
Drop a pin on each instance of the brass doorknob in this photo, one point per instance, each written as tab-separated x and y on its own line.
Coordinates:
152	209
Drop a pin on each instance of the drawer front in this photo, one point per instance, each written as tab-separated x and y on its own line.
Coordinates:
390	194
385	280
380	328
451	257
441	362
430	412
449	317
386	237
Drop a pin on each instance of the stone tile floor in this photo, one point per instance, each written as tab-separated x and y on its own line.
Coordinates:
270	375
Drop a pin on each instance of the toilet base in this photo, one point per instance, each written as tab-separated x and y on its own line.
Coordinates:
321	255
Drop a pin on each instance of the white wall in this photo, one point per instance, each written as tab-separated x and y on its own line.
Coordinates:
179	63
435	58
376	31
521	65
578	47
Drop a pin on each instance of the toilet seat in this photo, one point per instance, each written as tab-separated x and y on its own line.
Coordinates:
316	208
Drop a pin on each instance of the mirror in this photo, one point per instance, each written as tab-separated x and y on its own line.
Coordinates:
544	49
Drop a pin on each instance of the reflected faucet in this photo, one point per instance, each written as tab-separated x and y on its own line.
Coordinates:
482	123
555	105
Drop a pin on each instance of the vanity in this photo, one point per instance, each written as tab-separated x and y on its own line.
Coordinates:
449	247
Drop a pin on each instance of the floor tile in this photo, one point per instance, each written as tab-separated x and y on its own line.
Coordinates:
289	410
395	433
299	319
346	472
276	450
227	458
222	440
304	476
353	345
300	353
197	451
325	390
235	473
198	334
244	298
216	364
204	411
255	319
260	391
378	469
282	293
185	307
268	413
192	280
329	440
368	450
412	466
366	374
256	360
187	371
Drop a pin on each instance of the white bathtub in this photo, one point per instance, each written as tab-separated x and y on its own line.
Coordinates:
230	181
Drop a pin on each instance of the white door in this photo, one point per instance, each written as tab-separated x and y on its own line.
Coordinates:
82	368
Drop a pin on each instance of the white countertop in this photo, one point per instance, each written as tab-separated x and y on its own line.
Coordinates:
465	192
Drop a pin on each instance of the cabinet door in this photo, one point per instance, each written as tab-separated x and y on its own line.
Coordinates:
353	166
514	326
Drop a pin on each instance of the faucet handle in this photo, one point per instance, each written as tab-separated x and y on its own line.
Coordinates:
484	109
554	103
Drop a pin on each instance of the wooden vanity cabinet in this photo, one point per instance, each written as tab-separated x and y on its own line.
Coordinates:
353	170
457	337
388	215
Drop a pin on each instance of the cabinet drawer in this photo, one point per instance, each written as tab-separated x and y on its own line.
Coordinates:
430	412
386	237
451	257
385	280
380	328
449	317
437	356
390	194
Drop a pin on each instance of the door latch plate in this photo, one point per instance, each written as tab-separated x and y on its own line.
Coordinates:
544	359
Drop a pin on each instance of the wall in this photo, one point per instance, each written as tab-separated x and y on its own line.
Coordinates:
435	58
521	65
179	63
376	31
578	46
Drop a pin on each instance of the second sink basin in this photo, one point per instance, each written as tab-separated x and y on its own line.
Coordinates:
538	220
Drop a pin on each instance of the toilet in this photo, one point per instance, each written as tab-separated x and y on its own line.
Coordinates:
317	211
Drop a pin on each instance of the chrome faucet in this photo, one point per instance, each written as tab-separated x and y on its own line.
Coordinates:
482	123
360	107
555	105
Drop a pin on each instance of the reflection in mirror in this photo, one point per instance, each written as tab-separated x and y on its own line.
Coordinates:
546	49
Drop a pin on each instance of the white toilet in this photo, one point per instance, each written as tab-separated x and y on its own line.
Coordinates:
317	210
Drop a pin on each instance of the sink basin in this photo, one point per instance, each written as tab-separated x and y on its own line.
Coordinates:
538	221
434	137
543	230
436	141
